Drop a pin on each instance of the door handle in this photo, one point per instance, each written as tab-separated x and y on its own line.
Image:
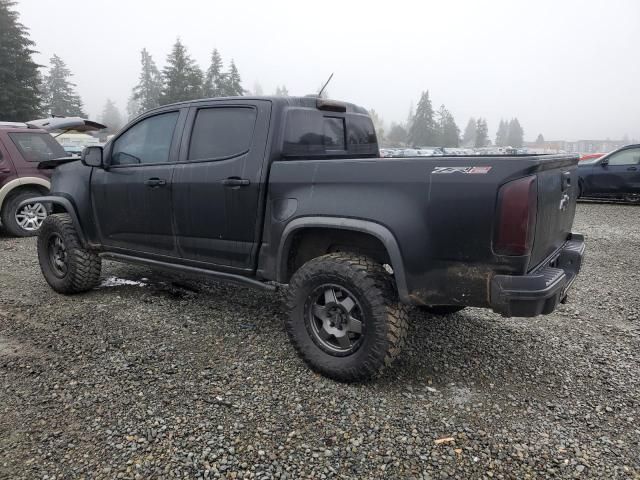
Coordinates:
235	182
155	182
633	169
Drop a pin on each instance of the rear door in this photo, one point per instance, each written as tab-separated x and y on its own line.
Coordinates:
217	184
132	197
619	176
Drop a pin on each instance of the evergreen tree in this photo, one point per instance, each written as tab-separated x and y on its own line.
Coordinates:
233	83
133	108
423	130
282	91
214	82
482	133
111	117
409	122
378	125
516	134
502	134
397	135
60	97
448	131
19	76
146	95
183	79
540	139
469	136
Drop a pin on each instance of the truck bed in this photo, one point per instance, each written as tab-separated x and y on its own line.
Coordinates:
441	211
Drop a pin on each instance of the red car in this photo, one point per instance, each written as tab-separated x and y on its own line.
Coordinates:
590	156
23	147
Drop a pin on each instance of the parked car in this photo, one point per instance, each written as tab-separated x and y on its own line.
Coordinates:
270	191
23	147
590	156
614	175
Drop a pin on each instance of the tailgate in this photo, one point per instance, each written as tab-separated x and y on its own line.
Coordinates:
557	194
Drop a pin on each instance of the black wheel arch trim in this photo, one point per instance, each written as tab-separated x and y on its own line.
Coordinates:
377	230
66	204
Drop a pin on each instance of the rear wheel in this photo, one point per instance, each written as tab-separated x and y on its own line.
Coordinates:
23	221
441	309
344	317
66	266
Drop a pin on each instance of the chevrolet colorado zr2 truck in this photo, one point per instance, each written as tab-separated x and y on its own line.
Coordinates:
292	191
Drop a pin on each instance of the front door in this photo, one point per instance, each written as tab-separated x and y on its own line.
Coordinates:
216	185
132	195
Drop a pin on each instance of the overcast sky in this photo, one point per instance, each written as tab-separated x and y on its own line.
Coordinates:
567	69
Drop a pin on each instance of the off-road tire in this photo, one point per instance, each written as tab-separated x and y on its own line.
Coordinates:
9	209
440	309
384	318
82	266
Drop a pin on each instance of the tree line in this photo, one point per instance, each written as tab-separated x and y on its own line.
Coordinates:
27	93
427	127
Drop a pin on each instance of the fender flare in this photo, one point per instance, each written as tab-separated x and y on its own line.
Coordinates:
376	230
22	182
66	204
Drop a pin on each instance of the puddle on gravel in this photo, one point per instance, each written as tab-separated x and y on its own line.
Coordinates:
118	282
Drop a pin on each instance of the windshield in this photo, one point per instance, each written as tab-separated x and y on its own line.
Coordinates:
37	147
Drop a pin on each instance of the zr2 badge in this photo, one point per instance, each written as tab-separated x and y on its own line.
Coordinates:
465	170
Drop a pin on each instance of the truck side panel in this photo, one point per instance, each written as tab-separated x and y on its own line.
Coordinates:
440	209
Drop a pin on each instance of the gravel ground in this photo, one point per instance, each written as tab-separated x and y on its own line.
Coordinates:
149	378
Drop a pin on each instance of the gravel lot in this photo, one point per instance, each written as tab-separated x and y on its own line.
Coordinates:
149	378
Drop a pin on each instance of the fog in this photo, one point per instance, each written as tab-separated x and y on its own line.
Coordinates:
569	70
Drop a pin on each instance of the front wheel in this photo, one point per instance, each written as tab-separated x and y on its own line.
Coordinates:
66	265
344	317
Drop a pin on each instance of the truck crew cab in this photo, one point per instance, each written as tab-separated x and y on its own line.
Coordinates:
271	191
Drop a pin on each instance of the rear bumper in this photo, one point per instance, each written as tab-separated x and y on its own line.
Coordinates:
539	292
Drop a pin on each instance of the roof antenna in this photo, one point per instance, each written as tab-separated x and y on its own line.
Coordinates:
325	86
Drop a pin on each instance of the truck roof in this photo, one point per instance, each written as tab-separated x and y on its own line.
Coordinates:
310	101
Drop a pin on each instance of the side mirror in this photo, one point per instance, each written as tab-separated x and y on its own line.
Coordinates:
92	157
604	162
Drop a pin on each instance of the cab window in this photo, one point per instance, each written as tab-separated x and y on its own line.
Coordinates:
222	132
148	141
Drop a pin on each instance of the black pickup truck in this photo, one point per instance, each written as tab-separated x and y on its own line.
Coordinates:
275	191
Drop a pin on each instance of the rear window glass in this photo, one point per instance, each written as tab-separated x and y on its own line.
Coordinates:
361	131
311	132
222	132
333	133
37	147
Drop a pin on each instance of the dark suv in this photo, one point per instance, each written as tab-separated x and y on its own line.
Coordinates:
22	148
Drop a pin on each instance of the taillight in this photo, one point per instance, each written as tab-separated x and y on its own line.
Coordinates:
517	209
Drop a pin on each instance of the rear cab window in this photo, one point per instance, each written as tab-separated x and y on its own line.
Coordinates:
316	133
37	147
